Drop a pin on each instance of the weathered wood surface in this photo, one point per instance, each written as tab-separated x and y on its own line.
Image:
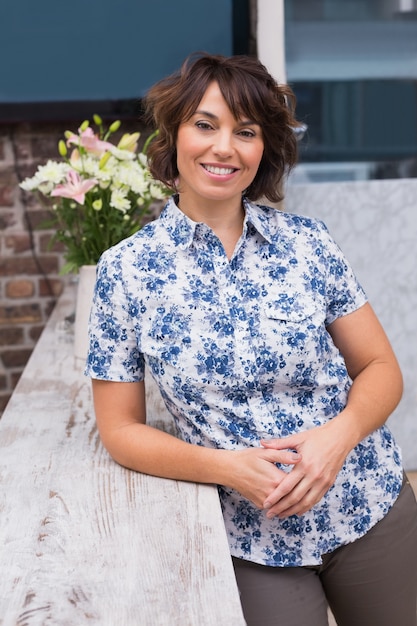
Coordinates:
85	541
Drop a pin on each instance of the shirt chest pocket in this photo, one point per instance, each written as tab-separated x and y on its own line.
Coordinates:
292	309
296	320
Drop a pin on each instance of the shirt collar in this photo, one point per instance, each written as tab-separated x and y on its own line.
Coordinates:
182	229
260	218
179	227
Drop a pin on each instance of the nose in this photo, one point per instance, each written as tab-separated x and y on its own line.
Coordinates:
223	144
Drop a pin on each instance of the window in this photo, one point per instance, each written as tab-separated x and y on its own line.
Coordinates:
353	67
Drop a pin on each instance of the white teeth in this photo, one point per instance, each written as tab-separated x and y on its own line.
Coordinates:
220	171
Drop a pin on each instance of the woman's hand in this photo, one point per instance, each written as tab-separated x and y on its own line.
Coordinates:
323	451
253	473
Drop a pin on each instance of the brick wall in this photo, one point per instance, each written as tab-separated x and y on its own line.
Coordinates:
30	282
29	273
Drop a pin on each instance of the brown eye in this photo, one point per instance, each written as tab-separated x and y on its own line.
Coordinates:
203	125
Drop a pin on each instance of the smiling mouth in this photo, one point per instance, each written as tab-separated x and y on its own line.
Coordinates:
219	171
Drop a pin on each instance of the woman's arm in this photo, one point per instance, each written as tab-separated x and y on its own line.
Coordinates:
376	390
121	416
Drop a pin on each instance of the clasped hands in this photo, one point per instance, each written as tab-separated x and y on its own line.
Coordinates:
315	457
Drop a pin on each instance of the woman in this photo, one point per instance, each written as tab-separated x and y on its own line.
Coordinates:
269	357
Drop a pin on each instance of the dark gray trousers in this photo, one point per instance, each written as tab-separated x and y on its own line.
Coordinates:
370	582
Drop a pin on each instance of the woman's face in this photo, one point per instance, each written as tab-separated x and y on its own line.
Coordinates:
217	155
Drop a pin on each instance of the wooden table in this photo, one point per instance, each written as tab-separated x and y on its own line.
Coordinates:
85	541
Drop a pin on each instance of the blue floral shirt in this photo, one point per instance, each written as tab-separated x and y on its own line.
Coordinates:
240	352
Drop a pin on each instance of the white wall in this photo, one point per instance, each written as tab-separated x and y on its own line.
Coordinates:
271	38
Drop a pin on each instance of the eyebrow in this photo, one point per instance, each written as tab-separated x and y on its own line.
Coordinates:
214	117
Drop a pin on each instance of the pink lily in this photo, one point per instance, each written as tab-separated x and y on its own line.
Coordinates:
75	188
90	142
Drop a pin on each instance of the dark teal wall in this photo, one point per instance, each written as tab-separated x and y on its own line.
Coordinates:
77	50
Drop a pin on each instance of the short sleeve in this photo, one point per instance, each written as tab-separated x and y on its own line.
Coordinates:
344	293
113	352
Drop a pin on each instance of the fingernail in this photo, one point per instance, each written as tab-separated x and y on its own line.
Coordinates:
267	505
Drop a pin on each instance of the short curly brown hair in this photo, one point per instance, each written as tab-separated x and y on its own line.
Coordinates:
249	90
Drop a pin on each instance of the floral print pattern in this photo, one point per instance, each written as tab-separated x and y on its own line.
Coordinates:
240	351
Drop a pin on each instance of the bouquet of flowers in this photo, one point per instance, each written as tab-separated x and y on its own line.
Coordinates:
102	191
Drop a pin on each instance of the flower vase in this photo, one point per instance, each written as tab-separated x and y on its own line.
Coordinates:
85	290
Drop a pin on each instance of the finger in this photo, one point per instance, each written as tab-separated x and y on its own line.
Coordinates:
285	457
280	444
299	508
286	487
296	503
